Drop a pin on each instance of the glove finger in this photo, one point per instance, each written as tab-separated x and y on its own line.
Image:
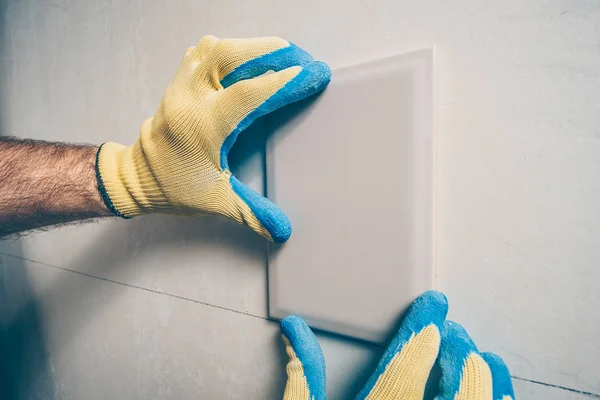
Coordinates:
406	364
238	59
199	52
465	375
259	213
256	97
306	365
189	51
501	382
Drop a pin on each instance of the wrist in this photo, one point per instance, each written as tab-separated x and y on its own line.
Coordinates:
106	162
125	181
95	202
111	188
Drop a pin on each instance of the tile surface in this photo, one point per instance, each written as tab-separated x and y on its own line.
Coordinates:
69	336
78	337
354	168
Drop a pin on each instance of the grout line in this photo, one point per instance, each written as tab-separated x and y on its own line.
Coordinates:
594	395
140	287
568	389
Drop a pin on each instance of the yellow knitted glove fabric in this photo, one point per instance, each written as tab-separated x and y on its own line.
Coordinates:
405	376
296	387
179	163
406	364
306	365
403	372
405	367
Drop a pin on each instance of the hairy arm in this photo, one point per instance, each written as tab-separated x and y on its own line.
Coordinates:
46	183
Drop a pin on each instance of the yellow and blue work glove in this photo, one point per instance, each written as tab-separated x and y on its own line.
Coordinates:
402	373
179	163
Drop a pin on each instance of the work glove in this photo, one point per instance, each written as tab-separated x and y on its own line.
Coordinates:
179	163
405	367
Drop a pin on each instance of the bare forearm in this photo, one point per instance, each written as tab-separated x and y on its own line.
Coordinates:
45	183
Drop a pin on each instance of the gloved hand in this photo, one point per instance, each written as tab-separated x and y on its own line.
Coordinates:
179	163
405	366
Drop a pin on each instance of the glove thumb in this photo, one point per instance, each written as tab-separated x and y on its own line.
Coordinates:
306	365
258	212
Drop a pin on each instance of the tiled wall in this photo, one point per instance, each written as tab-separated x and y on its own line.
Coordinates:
160	307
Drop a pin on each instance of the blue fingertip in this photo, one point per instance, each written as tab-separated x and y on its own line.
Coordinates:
457	345
270	216
312	79
309	353
501	382
277	60
429	308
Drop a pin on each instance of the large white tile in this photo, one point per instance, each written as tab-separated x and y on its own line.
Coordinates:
356	172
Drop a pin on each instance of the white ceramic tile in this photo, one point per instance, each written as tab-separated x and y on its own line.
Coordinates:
354	170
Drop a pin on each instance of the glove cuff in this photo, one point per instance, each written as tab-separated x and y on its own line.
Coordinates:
102	187
119	180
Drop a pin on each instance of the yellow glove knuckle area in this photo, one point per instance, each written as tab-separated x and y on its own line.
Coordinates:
179	164
229	54
306	365
405	366
467	374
